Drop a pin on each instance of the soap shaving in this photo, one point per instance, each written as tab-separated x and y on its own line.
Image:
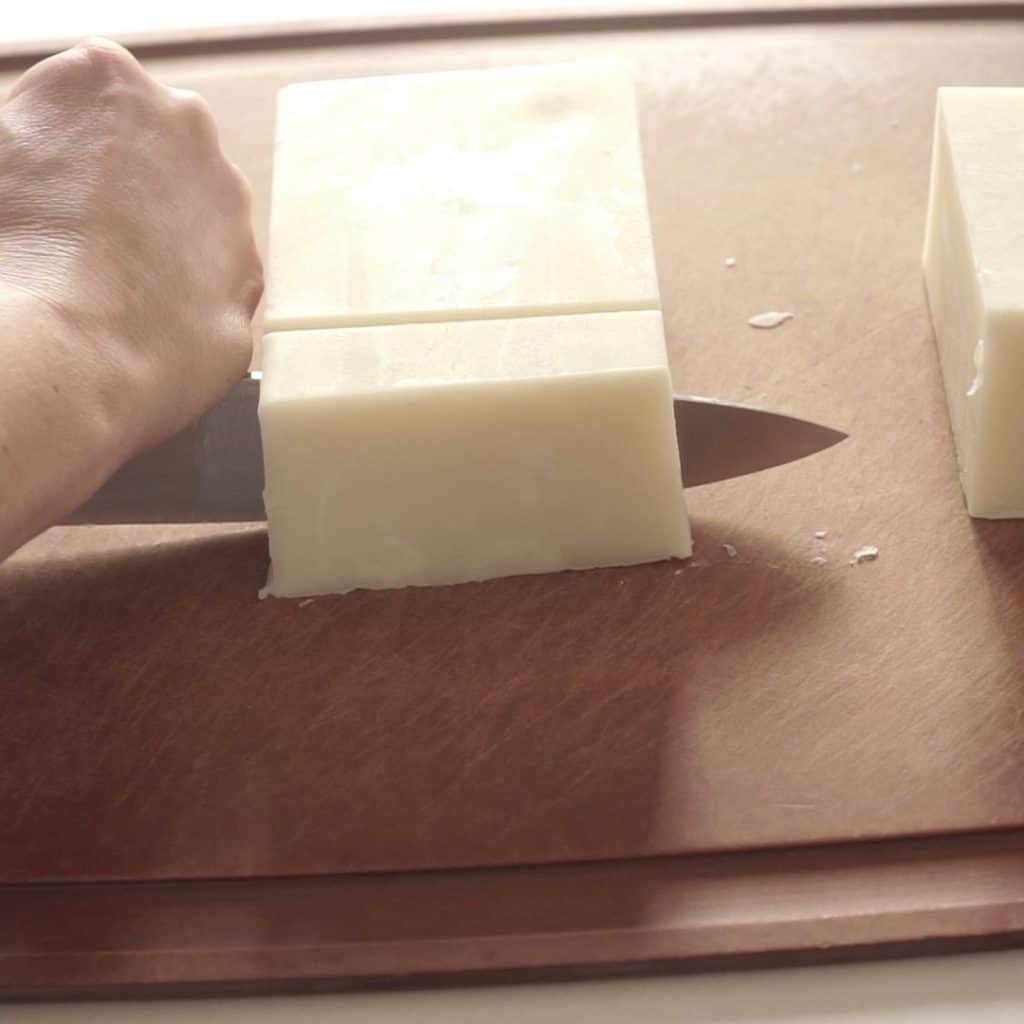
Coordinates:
729	549
819	560
868	553
766	321
730	262
820	534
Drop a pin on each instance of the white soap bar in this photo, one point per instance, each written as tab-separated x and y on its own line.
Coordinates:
974	272
438	453
457	196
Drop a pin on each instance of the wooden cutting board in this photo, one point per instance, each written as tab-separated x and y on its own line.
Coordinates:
159	722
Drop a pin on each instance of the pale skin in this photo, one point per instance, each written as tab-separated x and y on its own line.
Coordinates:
128	276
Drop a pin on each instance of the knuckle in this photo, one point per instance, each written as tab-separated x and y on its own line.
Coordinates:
256	281
238	347
251	291
86	68
104	59
61	66
193	108
240	187
249	284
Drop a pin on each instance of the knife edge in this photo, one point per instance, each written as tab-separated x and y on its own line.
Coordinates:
212	472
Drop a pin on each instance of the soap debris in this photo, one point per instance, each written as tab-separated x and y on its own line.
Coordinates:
820	534
868	553
730	262
729	549
678	572
819	560
308	601
765	321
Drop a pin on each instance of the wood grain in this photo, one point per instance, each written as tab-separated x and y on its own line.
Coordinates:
160	722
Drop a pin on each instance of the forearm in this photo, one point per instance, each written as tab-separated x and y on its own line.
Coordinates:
60	429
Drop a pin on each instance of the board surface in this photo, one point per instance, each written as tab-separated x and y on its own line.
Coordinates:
161	723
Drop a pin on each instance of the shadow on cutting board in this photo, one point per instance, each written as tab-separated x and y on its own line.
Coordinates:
1000	552
161	722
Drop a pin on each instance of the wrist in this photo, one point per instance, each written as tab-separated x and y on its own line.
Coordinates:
62	425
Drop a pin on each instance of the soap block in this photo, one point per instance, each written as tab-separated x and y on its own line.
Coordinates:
437	453
974	274
461	195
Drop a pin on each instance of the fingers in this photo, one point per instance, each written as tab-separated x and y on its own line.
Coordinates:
250	268
252	282
236	198
193	117
231	356
91	65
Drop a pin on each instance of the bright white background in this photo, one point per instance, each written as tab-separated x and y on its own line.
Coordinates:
982	989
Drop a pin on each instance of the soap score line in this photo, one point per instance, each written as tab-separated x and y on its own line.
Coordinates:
295	324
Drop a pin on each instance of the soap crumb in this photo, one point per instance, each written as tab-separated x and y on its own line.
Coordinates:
729	549
868	553
678	572
730	262
819	560
698	563
820	534
308	601
765	321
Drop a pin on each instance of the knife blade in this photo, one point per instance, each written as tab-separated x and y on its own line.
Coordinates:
212	472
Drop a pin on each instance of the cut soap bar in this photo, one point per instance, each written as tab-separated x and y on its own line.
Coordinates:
465	375
458	196
436	453
974	273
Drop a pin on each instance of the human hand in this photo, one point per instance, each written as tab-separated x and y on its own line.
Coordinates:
121	216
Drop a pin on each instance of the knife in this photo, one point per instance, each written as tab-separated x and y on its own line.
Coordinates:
212	472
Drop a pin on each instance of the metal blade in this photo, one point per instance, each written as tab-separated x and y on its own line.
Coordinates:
721	440
213	471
